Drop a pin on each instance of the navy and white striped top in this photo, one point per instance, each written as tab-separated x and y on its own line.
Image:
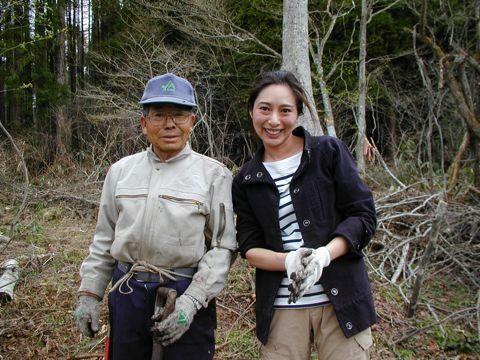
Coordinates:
282	172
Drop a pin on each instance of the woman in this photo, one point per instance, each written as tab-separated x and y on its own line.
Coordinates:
302	208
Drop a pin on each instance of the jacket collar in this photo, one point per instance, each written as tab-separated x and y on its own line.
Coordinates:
187	150
255	171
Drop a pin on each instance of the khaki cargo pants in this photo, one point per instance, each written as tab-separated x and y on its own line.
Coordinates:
293	331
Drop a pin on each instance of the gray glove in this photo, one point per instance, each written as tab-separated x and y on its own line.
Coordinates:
313	262
87	315
176	324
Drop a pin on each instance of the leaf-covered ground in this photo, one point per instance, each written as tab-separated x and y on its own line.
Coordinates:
52	238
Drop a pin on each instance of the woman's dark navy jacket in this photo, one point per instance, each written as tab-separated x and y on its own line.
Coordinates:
329	199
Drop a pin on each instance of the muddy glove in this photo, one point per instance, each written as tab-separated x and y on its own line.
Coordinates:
313	261
293	261
87	315
176	324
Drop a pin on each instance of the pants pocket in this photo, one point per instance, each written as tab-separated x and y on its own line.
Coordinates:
364	339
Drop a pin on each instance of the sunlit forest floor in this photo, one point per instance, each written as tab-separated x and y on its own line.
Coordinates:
52	237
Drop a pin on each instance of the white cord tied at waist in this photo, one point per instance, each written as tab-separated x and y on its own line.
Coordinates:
143	266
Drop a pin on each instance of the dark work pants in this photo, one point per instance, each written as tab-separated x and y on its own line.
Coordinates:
130	321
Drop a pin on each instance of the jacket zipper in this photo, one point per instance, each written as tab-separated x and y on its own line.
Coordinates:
181	200
130	196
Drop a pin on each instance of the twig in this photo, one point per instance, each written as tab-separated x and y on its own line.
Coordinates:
401	263
221	346
478	313
78	198
384	165
25	193
459	313
461	265
87	356
434	314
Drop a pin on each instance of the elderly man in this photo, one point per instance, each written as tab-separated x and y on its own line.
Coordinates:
165	220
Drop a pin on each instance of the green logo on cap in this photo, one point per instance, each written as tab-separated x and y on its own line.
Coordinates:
170	87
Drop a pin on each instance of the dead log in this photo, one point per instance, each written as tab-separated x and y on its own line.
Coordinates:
8	280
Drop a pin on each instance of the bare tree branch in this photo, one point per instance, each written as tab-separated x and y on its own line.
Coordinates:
25	191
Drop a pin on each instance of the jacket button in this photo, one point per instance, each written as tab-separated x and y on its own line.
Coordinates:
306	223
334	291
247	177
259	174
349	325
296	190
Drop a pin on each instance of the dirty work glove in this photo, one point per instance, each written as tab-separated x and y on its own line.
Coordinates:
293	261
313	261
87	315
176	324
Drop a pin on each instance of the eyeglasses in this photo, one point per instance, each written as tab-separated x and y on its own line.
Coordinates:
178	117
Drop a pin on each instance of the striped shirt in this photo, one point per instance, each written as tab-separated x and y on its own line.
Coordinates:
282	172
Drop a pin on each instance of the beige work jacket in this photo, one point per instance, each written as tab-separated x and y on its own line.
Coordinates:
176	213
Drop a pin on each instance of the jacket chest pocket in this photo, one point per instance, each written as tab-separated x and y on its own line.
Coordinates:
131	201
182	217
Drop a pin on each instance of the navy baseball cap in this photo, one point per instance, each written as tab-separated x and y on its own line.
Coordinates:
168	88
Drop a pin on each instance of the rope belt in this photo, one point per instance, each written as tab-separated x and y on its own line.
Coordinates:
142	271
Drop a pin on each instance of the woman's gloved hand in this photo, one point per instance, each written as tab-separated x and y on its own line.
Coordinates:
87	315
313	262
293	261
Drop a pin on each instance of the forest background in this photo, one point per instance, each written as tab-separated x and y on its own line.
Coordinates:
397	80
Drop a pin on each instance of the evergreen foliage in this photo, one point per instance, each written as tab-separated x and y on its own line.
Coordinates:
113	47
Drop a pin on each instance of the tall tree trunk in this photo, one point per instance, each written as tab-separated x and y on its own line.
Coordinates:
362	88
63	125
295	56
476	97
2	87
26	71
81	47
12	39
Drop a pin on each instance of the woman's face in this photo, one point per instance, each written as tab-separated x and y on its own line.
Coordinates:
274	116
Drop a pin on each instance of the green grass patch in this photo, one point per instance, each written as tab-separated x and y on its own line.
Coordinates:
241	343
404	354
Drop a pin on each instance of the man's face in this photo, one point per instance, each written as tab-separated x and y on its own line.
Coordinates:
167	127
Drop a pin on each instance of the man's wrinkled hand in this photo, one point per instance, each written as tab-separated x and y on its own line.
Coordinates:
87	315
176	324
313	262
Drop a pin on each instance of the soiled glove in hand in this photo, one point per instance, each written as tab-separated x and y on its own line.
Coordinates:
293	261
176	324
313	262
87	315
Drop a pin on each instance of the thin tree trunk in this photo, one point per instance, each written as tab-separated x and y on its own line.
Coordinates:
436	225
318	61
63	126
476	97
327	107
456	165
296	57
362	88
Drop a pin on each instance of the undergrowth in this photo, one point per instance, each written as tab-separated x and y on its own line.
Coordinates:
52	238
